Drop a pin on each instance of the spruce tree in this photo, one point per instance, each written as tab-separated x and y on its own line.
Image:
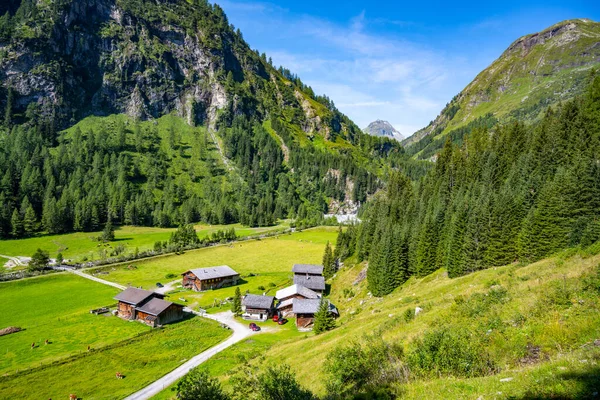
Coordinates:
324	319
236	305
30	224
108	234
328	262
17	224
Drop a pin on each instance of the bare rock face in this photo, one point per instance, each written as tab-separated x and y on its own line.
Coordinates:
100	58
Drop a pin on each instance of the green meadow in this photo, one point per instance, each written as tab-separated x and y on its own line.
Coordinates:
265	264
80	245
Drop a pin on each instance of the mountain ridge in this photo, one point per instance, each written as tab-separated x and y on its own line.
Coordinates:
536	71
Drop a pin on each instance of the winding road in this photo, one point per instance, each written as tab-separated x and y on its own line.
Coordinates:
240	332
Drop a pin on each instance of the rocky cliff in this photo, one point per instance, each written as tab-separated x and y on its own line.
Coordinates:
383	128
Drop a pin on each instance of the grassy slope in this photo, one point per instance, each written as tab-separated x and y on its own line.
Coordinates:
56	308
77	245
529	316
270	260
142	360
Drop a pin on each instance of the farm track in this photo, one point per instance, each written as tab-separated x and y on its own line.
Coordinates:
240	332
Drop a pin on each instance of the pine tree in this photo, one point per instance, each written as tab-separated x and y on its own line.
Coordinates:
324	319
30	224
108	234
39	260
17	224
236	305
328	262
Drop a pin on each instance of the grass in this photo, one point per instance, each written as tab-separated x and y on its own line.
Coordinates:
142	360
269	261
56	308
76	246
225	364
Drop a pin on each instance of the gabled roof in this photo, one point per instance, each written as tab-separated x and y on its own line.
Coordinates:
222	271
311	269
155	307
311	282
134	296
310	306
296	290
255	301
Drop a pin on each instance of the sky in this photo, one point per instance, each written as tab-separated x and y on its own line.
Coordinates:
390	60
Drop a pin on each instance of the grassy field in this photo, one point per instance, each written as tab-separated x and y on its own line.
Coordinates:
269	260
56	308
142	360
78	245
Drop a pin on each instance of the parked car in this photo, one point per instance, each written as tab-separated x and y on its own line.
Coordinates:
282	321
275	318
254	327
159	285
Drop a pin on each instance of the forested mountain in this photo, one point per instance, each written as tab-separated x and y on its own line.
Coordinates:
535	72
258	145
515	192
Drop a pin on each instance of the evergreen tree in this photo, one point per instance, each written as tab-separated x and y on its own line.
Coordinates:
17	224
324	319
39	260
198	385
236	305
328	262
108	234
30	224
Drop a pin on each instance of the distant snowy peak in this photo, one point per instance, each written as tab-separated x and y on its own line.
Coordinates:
383	128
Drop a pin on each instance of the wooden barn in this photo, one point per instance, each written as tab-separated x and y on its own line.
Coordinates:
147	307
287	295
305	310
259	308
201	279
159	312
307	269
315	283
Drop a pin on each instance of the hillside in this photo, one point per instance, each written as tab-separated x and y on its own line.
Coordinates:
535	72
191	123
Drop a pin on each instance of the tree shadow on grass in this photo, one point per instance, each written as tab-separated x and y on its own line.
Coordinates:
587	387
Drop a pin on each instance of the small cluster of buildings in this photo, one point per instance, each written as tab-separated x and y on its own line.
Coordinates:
300	300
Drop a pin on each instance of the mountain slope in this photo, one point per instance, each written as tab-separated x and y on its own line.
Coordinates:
536	71
64	63
384	129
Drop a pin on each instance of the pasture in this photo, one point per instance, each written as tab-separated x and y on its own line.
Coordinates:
56	307
263	263
83	245
141	359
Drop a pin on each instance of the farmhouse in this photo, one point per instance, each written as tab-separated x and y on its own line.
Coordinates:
287	295
147	307
257	307
201	279
305	310
313	282
307	269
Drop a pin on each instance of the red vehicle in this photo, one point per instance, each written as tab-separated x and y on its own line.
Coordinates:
282	321
254	327
275	318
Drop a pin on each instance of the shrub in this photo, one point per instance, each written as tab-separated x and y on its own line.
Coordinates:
358	370
409	314
199	385
480	303
171	276
271	285
261	288
449	351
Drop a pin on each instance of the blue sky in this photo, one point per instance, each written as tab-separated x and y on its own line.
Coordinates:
389	60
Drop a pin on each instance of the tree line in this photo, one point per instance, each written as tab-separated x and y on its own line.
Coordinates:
513	193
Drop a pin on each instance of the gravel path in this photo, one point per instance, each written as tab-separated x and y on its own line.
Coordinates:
93	278
240	332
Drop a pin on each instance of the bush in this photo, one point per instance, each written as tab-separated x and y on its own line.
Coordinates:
359	370
261	288
409	314
171	276
272	285
480	303
450	351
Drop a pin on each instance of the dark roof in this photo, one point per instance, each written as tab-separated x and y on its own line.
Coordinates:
307	269
254	301
310	306
311	282
155	306
134	296
223	271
